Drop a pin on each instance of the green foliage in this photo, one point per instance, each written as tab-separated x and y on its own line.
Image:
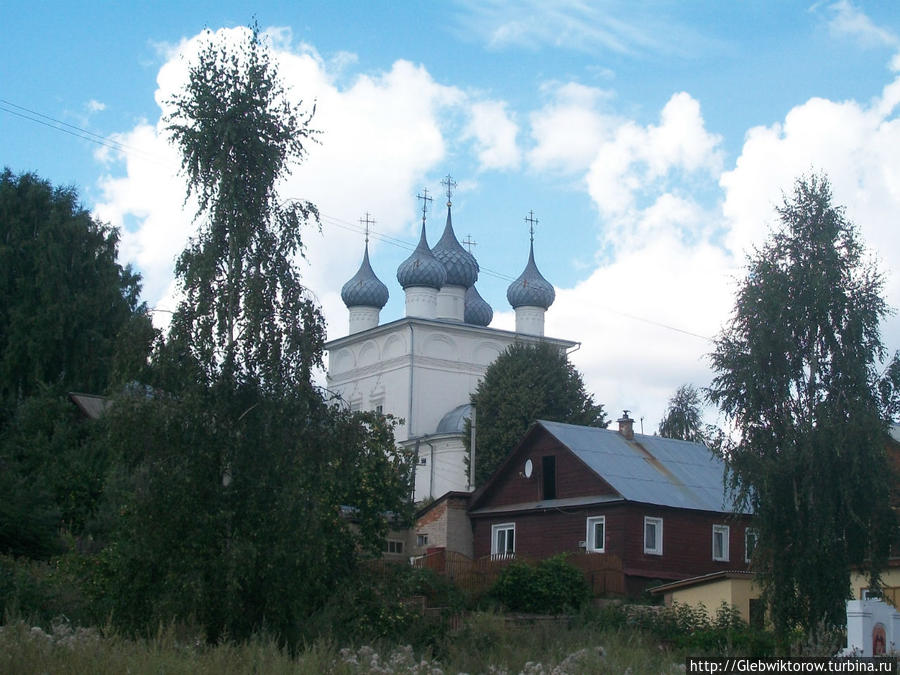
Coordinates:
796	373
63	297
691	629
381	604
550	587
69	320
232	508
53	476
682	419
41	591
245	315
244	500
527	382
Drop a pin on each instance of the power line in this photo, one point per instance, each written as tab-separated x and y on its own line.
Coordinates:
71	129
108	142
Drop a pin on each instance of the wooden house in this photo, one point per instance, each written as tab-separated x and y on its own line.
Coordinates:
658	504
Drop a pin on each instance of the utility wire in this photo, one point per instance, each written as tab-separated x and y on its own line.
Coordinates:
106	141
71	129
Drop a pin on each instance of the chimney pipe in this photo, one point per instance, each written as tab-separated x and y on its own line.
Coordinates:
626	426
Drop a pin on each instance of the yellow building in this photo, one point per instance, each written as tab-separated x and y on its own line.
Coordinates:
734	588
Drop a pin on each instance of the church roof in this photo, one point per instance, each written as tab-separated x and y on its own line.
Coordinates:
530	289
365	289
461	266
477	310
422	268
455	420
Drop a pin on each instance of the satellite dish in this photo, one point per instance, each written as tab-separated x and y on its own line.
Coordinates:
529	467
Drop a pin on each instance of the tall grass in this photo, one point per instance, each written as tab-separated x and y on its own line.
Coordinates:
487	643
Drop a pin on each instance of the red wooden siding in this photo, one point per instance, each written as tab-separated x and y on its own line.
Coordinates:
573	478
687	537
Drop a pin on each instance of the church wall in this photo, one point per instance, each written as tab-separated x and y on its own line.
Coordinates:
444	469
448	360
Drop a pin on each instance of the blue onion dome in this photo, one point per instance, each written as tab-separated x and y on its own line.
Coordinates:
477	311
530	289
422	268
461	266
365	289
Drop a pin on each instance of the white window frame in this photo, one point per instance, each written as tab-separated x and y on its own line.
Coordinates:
725	532
495	531
750	532
589	539
658	523
421	539
393	546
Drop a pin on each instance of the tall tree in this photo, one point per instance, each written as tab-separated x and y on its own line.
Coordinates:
64	298
245	313
527	382
70	319
796	372
238	485
682	419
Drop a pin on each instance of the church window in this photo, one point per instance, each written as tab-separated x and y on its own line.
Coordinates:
720	543
503	540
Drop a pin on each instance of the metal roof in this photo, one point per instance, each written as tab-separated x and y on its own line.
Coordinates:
461	266
421	268
531	289
91	405
649	469
549	504
454	422
477	310
365	289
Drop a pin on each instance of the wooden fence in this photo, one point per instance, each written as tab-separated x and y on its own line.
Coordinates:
603	572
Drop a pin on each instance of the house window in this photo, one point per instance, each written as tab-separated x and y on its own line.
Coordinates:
653	535
393	546
595	540
751	536
503	540
720	543
548	464
421	540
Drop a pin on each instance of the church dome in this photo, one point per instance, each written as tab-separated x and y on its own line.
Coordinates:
477	311
454	422
530	289
461	266
365	289
422	268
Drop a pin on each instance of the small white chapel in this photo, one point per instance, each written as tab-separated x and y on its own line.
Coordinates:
424	367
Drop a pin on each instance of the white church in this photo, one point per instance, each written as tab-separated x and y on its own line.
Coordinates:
424	367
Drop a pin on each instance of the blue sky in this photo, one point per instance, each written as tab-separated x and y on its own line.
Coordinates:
650	139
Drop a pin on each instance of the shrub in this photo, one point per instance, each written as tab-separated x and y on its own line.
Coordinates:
550	587
692	629
41	591
378	605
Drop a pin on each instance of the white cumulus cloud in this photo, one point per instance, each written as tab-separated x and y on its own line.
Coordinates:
494	133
